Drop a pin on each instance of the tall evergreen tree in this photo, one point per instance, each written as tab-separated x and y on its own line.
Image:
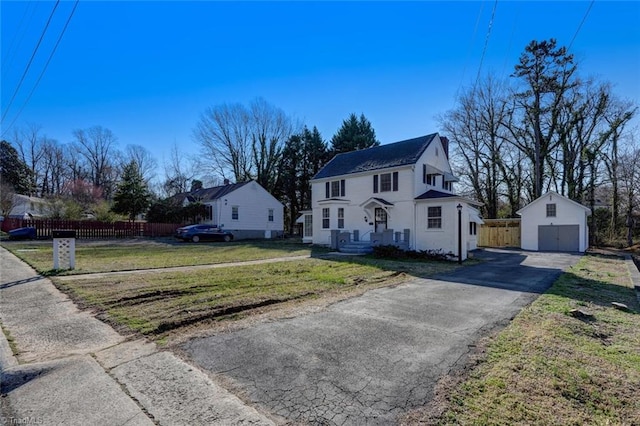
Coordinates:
13	171
302	157
132	195
355	133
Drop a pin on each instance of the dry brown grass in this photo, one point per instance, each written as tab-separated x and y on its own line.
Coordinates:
548	367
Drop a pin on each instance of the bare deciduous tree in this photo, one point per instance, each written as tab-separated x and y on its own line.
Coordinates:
243	143
97	146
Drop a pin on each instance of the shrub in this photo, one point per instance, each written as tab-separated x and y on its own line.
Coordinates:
393	252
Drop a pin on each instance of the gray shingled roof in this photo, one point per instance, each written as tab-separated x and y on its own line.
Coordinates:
213	193
432	193
380	157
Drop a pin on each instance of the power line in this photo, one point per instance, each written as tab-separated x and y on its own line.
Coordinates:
486	42
10	52
581	23
35	50
473	37
44	68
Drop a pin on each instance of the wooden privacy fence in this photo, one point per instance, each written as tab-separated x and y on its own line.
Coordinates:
88	229
499	233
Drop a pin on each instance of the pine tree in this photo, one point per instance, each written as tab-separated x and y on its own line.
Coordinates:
13	171
355	133
132	195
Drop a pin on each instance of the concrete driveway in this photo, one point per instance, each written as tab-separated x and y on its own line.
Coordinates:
371	358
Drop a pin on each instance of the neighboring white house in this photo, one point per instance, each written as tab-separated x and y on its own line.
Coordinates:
25	207
399	193
246	209
554	223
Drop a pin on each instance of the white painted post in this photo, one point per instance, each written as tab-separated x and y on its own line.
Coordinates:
64	247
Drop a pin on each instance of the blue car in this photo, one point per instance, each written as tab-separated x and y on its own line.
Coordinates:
197	233
26	233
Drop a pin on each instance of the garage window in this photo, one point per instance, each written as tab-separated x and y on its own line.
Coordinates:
551	210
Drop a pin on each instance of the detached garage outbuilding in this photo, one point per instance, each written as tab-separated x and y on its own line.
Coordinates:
554	223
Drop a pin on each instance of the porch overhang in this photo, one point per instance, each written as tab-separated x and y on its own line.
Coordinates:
372	203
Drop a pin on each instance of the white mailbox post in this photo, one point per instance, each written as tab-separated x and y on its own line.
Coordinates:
64	249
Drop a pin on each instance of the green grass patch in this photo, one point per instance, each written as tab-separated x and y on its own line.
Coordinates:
158	303
116	255
548	367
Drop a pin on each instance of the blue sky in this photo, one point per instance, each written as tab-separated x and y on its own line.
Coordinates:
146	70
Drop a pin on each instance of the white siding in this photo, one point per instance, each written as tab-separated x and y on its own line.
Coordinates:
359	189
567	213
253	203
445	238
439	161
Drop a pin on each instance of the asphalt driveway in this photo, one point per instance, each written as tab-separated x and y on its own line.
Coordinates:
371	358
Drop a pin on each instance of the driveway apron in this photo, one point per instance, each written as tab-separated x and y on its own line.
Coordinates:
369	359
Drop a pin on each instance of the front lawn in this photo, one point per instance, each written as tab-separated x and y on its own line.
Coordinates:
124	255
160	303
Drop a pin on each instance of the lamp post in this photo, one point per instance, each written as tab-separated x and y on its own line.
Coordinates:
459	207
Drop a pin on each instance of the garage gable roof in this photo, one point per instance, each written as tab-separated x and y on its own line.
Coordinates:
558	196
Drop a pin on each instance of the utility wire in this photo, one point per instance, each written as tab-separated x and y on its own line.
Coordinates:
35	50
486	43
581	23
44	68
473	37
10	52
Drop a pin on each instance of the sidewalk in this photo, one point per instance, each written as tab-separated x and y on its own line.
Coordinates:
72	369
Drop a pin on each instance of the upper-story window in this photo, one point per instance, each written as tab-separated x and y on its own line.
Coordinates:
234	213
447	186
551	210
335	188
430	179
385	182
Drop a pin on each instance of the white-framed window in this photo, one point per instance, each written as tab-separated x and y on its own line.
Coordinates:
551	210
431	179
434	217
335	188
385	182
340	218
234	213
473	228
326	216
270	215
308	225
446	185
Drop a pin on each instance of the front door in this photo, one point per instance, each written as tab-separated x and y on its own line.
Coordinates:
381	219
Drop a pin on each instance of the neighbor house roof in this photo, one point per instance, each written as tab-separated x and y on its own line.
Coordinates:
213	193
380	157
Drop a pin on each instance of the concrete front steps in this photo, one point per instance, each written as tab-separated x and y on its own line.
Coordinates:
357	247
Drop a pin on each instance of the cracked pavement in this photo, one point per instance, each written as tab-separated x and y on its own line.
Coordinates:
369	359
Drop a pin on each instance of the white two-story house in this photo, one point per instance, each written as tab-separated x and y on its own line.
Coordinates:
399	193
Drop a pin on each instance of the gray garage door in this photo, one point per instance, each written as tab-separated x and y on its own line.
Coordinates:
558	237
